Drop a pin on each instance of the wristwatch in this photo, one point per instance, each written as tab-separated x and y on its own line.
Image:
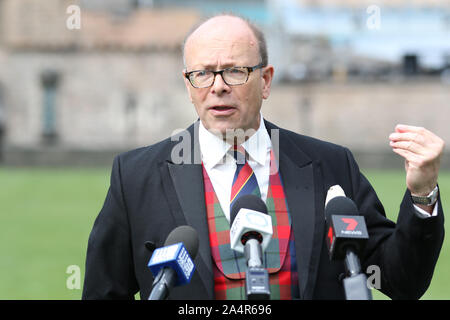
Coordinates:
429	200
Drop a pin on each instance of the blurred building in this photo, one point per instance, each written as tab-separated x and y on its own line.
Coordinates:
367	40
113	84
79	96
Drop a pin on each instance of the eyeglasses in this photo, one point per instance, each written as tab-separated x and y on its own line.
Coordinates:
233	76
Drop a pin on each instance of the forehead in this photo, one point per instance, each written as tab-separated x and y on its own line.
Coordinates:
221	41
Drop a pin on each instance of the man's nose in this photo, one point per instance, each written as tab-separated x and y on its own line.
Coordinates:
219	86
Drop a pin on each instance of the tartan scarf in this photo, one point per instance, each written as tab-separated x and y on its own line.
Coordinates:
279	257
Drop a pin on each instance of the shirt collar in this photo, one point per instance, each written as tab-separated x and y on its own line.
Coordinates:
213	149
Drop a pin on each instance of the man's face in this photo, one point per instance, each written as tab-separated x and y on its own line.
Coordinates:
220	43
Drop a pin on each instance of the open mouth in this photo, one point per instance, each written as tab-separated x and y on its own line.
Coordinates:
222	108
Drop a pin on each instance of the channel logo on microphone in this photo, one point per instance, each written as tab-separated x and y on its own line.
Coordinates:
351	223
250	221
185	262
164	254
176	257
351	226
346	228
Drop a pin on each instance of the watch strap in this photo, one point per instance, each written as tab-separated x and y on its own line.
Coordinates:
428	200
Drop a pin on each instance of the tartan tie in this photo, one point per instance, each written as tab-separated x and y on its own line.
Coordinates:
244	181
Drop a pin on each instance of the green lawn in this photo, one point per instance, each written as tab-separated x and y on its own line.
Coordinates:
46	216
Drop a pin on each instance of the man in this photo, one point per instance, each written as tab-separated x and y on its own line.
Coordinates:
227	77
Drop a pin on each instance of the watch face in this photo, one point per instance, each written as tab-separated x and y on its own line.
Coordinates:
429	200
420	200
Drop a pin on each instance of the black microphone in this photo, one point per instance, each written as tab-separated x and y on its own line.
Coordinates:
172	265
250	233
346	238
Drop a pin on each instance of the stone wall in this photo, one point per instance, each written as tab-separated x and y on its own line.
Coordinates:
103	100
95	113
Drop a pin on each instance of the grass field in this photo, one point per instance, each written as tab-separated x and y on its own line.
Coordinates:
46	216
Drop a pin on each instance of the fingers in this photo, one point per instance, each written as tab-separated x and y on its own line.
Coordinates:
416	139
412	157
407	140
407	128
406	136
422	150
410	141
416	144
410	133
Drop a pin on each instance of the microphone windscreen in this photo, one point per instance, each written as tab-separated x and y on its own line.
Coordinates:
248	201
187	235
340	206
333	192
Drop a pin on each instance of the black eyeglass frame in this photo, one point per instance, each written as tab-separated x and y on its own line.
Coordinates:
249	70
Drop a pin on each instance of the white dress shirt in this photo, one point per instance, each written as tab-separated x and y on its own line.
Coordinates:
422	213
221	166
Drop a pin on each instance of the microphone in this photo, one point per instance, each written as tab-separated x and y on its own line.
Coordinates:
249	220
250	233
346	228
346	238
172	265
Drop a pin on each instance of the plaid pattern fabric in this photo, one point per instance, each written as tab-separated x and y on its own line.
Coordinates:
279	257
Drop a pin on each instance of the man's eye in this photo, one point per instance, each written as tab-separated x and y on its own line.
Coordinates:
235	71
203	73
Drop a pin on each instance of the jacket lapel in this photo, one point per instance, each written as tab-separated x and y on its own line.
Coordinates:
183	186
302	185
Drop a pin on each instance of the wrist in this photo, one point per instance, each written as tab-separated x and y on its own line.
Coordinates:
425	199
423	192
428	209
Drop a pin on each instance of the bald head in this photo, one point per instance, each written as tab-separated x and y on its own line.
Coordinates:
221	29
221	43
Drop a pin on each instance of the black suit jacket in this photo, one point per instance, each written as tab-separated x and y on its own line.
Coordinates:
150	195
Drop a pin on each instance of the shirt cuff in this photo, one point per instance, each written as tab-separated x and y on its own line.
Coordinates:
423	214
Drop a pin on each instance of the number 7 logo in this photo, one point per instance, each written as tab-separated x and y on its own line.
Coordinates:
351	223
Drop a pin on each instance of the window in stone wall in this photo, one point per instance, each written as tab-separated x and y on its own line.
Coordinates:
49	80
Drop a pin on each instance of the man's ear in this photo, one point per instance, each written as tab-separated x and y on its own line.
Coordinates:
267	75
